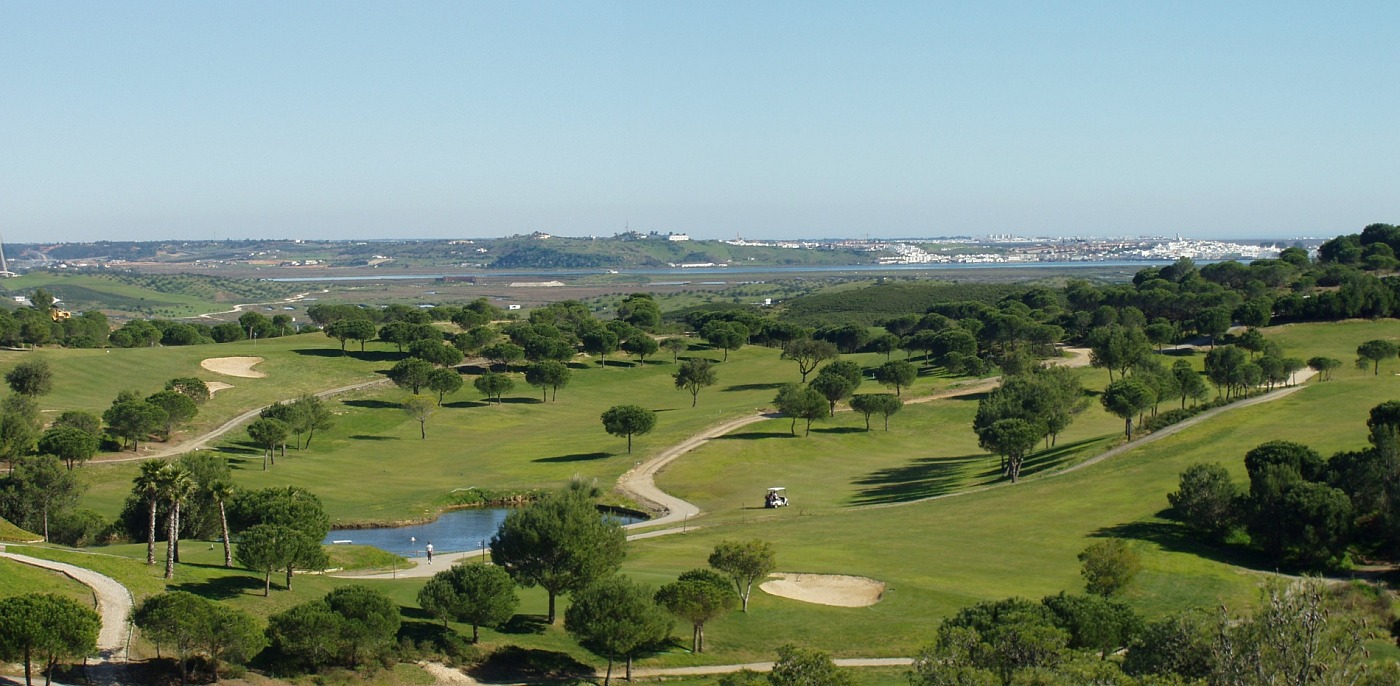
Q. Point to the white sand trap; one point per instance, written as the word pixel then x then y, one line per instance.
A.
pixel 234 366
pixel 216 386
pixel 825 589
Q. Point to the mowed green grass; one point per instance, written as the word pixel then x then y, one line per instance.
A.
pixel 11 533
pixel 374 467
pixel 89 379
pixel 17 578
pixel 929 450
pixel 935 556
pixel 939 556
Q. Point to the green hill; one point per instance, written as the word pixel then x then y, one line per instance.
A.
pixel 9 533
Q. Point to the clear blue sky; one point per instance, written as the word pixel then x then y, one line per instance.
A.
pixel 142 120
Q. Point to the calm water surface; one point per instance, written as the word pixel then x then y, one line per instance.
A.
pixel 455 531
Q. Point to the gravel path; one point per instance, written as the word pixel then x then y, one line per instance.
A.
pixel 114 603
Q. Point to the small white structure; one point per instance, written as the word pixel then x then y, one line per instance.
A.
pixel 677 237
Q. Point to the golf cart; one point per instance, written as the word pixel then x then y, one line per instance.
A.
pixel 777 497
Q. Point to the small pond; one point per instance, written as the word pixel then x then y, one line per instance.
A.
pixel 455 531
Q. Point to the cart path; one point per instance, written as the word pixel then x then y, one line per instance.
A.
pixel 202 440
pixel 639 483
pixel 114 603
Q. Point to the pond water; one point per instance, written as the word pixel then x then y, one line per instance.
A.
pixel 455 531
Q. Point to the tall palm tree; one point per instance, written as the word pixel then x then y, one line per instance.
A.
pixel 222 491
pixel 176 485
pixel 148 485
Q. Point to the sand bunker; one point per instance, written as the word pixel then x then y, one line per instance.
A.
pixel 216 386
pixel 825 589
pixel 234 366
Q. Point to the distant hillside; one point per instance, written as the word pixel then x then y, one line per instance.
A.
pixel 880 301
pixel 578 253
pixel 133 294
pixel 9 533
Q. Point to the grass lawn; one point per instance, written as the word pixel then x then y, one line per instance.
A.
pixel 1018 540
pixel 17 578
pixel 518 445
pixel 929 450
pixel 9 533
pixel 850 489
pixel 89 379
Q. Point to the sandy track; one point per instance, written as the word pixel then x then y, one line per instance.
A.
pixel 114 604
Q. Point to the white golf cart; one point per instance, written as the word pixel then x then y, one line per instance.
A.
pixel 777 497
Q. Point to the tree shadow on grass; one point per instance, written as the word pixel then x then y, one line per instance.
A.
pixel 924 478
pixel 370 404
pixel 974 397
pixel 524 625
pixel 752 387
pixel 242 448
pixel 369 437
pixel 839 430
pixel 366 356
pixel 1054 458
pixel 418 613
pixel 514 664
pixel 755 435
pixel 576 457
pixel 1178 538
pixel 466 403
pixel 224 587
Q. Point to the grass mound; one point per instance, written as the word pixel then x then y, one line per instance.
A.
pixel 9 533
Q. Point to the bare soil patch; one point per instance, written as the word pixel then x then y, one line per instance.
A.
pixel 825 589
pixel 233 366
pixel 216 386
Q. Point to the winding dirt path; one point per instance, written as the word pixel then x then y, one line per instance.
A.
pixel 239 308
pixel 114 603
